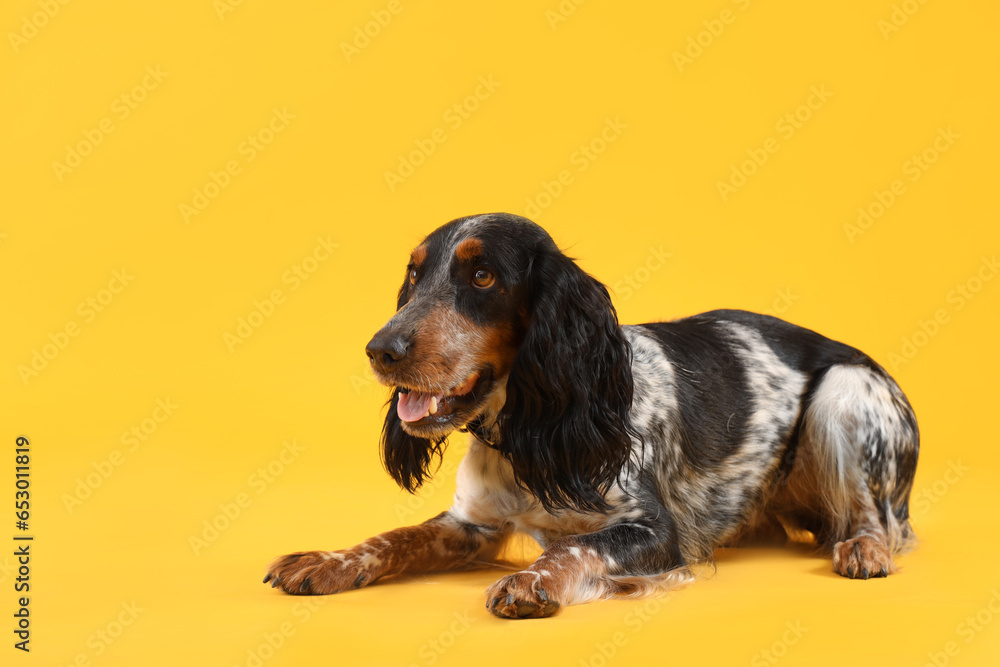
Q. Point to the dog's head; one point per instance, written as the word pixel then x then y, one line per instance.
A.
pixel 495 325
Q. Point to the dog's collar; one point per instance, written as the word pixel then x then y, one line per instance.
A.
pixel 476 428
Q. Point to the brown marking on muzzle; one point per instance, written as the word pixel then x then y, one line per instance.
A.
pixel 499 348
pixel 448 345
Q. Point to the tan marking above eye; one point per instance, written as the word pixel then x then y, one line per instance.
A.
pixel 419 254
pixel 483 278
pixel 469 249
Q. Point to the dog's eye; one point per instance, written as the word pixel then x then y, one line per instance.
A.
pixel 483 278
pixel 413 276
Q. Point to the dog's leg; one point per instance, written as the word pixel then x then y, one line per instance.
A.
pixel 578 568
pixel 860 453
pixel 442 543
pixel 865 553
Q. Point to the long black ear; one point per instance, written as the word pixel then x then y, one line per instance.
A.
pixel 407 458
pixel 565 424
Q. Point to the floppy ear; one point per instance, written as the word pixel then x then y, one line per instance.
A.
pixel 407 458
pixel 565 424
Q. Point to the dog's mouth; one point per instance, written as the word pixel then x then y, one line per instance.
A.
pixel 419 408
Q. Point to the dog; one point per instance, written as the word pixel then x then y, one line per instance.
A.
pixel 628 452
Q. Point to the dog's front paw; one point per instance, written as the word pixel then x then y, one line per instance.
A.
pixel 318 573
pixel 521 595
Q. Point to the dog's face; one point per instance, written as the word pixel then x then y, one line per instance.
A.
pixel 495 324
pixel 461 315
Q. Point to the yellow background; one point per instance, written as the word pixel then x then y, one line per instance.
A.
pixel 777 244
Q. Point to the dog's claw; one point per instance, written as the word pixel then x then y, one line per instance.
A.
pixel 274 583
pixel 267 577
pixel 305 585
pixel 542 595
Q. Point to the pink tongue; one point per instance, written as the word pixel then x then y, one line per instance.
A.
pixel 414 405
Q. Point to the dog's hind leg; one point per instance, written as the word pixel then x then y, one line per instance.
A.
pixel 857 458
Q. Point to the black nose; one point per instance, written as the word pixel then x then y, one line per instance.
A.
pixel 385 351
